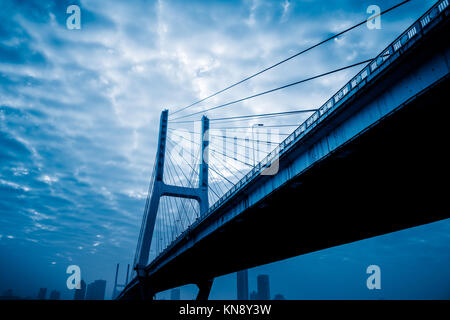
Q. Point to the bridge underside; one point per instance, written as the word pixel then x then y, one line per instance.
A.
pixel 390 178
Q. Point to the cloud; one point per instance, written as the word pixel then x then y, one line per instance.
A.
pixel 286 7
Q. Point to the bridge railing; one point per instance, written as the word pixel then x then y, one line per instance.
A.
pixel 384 59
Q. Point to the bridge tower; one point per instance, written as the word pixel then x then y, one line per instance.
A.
pixel 158 189
pixel 116 285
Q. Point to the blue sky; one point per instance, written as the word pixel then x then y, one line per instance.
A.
pixel 79 111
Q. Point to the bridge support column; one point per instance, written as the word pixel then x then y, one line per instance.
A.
pixel 146 291
pixel 204 288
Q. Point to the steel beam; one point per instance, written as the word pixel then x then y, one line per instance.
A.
pixel 204 289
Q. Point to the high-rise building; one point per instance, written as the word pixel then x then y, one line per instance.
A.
pixel 8 295
pixel 80 293
pixel 96 290
pixel 279 297
pixel 175 294
pixel 242 284
pixel 263 287
pixel 54 295
pixel 42 293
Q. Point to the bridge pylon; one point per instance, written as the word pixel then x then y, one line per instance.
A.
pixel 158 189
pixel 117 285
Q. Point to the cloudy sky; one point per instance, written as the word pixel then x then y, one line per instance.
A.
pixel 79 111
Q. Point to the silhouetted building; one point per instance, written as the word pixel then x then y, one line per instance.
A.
pixel 80 293
pixel 54 295
pixel 96 290
pixel 254 295
pixel 242 285
pixel 8 295
pixel 175 294
pixel 279 297
pixel 42 293
pixel 263 287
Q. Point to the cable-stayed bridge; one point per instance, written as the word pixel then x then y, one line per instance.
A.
pixel 367 162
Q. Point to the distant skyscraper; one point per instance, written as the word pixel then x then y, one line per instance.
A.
pixel 175 294
pixel 115 292
pixel 42 293
pixel 8 295
pixel 96 290
pixel 254 295
pixel 242 285
pixel 80 293
pixel 279 297
pixel 263 287
pixel 54 295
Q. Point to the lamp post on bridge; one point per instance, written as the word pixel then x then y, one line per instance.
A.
pixel 253 140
